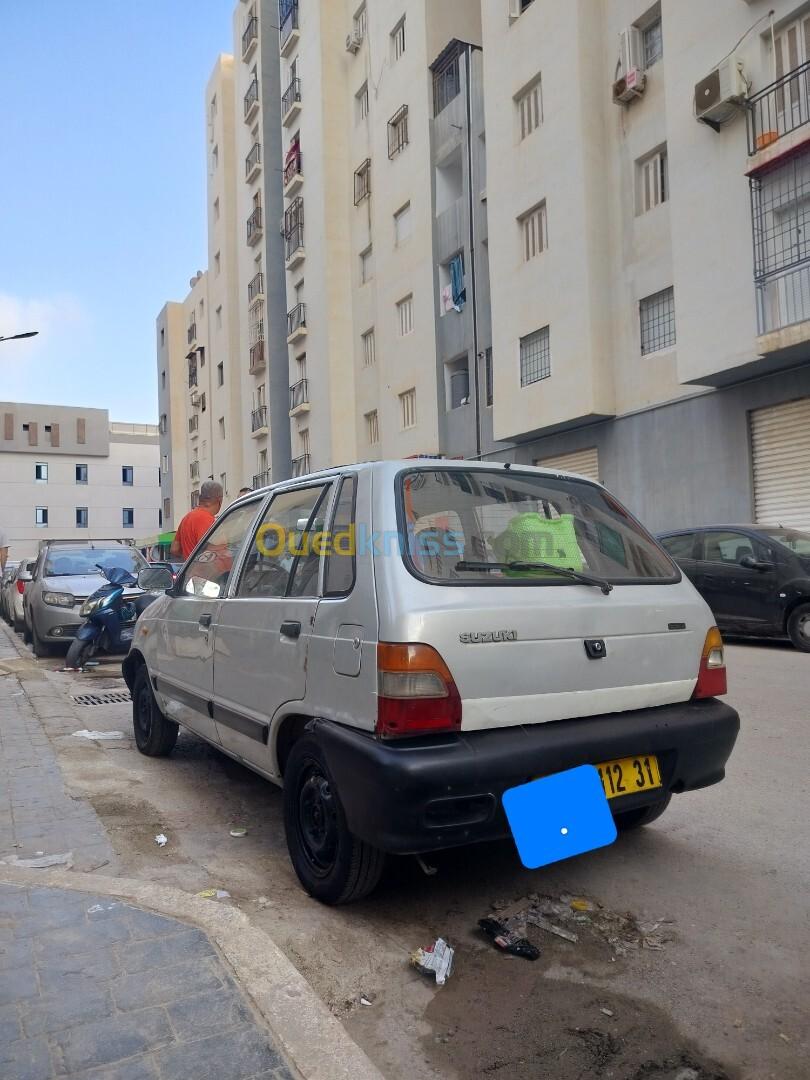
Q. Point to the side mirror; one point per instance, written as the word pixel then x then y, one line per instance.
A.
pixel 155 578
pixel 748 562
pixel 26 575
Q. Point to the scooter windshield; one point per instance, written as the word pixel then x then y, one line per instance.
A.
pixel 116 575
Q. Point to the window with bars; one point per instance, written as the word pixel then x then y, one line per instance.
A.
pixel 652 181
pixel 653 42
pixel 405 314
pixel 361 22
pixel 446 82
pixel 657 318
pixel 366 265
pixel 407 408
pixel 372 427
pixel 362 182
pixel 398 132
pixel 529 103
pixel 535 356
pixel 402 224
pixel 361 102
pixel 534 226
pixel 398 40
pixel 369 348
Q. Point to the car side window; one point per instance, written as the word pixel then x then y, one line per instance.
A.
pixel 726 547
pixel 680 547
pixel 340 570
pixel 208 573
pixel 285 553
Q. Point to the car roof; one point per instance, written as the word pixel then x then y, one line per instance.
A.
pixel 716 528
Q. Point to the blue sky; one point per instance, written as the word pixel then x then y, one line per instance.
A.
pixel 102 189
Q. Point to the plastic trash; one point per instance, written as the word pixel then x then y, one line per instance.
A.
pixel 365 1001
pixel 99 735
pixel 161 840
pixel 536 919
pixel 239 830
pixel 607 1012
pixel 436 959
pixel 508 940
pixel 214 894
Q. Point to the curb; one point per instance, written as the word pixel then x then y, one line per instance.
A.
pixel 315 1042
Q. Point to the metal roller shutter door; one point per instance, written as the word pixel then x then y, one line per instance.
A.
pixel 584 462
pixel 780 452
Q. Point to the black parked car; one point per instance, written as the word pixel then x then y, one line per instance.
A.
pixel 755 578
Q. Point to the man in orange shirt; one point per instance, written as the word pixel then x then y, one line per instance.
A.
pixel 198 521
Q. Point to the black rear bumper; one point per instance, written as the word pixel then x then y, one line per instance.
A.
pixel 420 795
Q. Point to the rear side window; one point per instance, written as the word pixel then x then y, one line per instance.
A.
pixel 680 547
pixel 341 561
pixel 284 557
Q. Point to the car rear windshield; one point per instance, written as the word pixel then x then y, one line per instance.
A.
pixel 452 520
pixel 73 562
pixel 794 539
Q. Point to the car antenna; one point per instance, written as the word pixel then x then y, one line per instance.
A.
pixel 507 465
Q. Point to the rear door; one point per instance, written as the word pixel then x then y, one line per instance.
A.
pixel 264 626
pixel 735 594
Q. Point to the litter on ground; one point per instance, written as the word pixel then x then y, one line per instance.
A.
pixel 101 736
pixel 436 959
pixel 508 940
pixel 239 830
pixel 161 840
pixel 214 894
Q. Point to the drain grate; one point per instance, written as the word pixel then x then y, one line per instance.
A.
pixel 115 697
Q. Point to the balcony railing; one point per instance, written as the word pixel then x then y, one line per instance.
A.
pixel 258 418
pixel 287 20
pixel 192 375
pixel 256 287
pixel 261 479
pixel 779 109
pixel 192 332
pixel 784 299
pixel 251 99
pixel 296 319
pixel 299 394
pixel 291 96
pixel 254 226
pixel 250 35
pixel 293 168
pixel 193 424
pixel 253 160
pixel 257 359
pixel 300 465
pixel 294 240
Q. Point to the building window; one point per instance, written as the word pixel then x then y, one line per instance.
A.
pixel 530 107
pixel 398 132
pixel 535 232
pixel 128 475
pixel 361 103
pixel 653 42
pixel 398 40
pixel 223 479
pixel 202 402
pixel 41 472
pixel 360 22
pixel 215 159
pixel 162 336
pixel 488 375
pixel 517 7
pixel 446 82
pixel 369 348
pixel 167 509
pixel 403 225
pixel 535 356
pixel 81 474
pixel 657 316
pixel 41 516
pixel 160 518
pixel 222 427
pixel 458 382
pixel 164 463
pixel 405 313
pixel 128 517
pixel 163 423
pixel 162 377
pixel 82 517
pixel 407 408
pixel 220 373
pixel 372 428
pixel 362 182
pixel 217 264
pixel 366 265
pixel 652 181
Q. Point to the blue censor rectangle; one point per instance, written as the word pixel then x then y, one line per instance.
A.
pixel 559 816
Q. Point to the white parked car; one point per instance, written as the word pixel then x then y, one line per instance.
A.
pixel 398 643
pixel 13 592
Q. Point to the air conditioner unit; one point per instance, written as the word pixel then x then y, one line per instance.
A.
pixel 632 80
pixel 353 41
pixel 719 96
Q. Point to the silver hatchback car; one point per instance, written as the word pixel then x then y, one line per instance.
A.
pixel 399 643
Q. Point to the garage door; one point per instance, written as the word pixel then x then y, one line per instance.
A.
pixel 780 450
pixel 584 462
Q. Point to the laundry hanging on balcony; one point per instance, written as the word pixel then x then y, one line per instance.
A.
pixel 459 292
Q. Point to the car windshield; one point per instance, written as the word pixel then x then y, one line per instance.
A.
pixel 73 562
pixel 795 540
pixel 476 527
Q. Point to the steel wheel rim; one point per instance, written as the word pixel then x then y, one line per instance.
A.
pixel 143 715
pixel 317 821
pixel 803 627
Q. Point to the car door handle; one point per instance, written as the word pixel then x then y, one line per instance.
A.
pixel 290 629
pixel 204 624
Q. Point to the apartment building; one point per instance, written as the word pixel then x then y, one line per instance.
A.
pixel 69 473
pixel 647 175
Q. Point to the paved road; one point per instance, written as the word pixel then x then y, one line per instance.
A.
pixel 726 868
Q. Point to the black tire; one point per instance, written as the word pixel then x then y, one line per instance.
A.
pixel 644 815
pixel 40 648
pixel 798 627
pixel 155 736
pixel 19 626
pixel 79 652
pixel 332 864
pixel 26 633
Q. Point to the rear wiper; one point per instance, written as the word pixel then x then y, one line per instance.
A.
pixel 565 571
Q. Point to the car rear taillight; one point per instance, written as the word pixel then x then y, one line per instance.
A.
pixel 20 587
pixel 712 680
pixel 415 691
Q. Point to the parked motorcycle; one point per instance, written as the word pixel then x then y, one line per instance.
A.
pixel 111 617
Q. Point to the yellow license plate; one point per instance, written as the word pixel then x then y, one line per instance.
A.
pixel 628 775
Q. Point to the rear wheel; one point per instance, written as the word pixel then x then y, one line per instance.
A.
pixel 333 865
pixel 644 815
pixel 26 633
pixel 155 736
pixel 41 648
pixel 798 627
pixel 79 652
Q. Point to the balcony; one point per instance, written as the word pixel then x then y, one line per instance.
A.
pixel 193 425
pixel 254 226
pixel 300 465
pixel 253 163
pixel 783 304
pixel 256 287
pixel 192 332
pixel 192 373
pixel 258 422
pixel 294 253
pixel 777 114
pixel 291 102
pixel 299 397
pixel 296 323
pixel 194 470
pixel 258 360
pixel 250 38
pixel 260 479
pixel 288 31
pixel 293 173
pixel 251 100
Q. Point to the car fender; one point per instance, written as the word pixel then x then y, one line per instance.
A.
pixel 791 594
